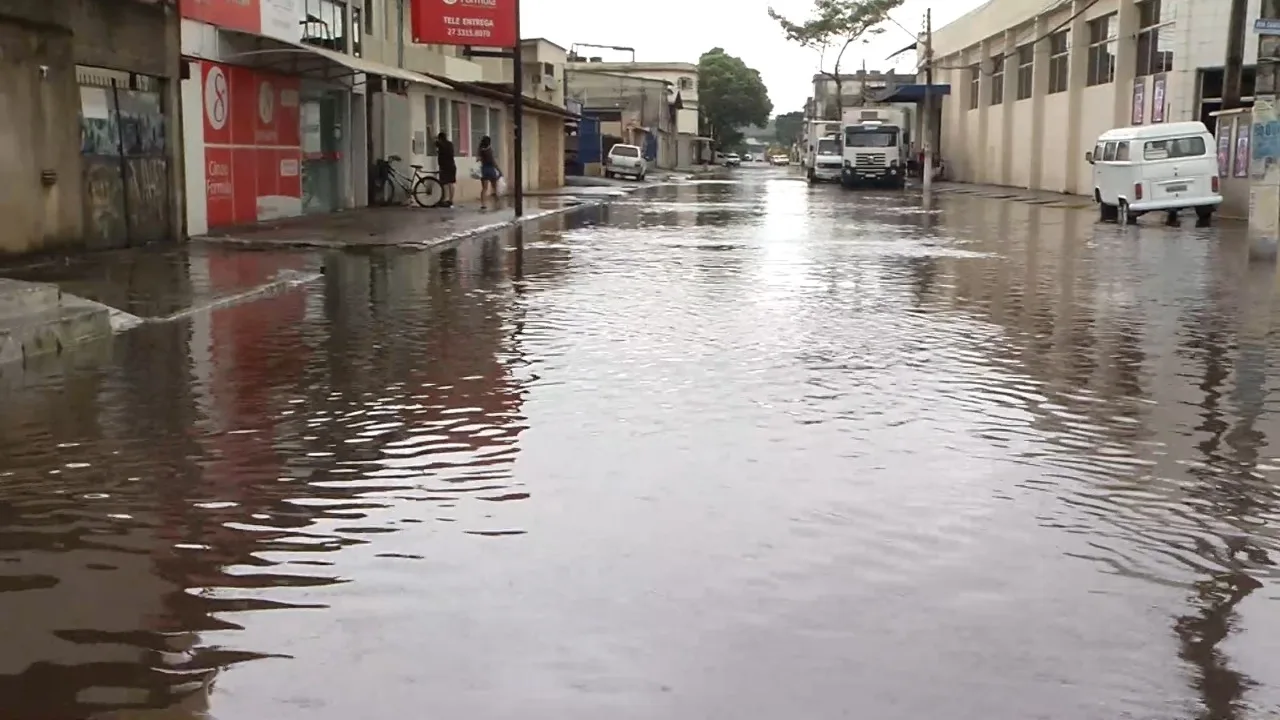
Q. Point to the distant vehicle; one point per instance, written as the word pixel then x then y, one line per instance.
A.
pixel 1155 168
pixel 828 161
pixel 625 160
pixel 732 160
pixel 779 159
pixel 875 147
pixel 748 158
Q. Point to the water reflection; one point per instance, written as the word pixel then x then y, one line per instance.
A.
pixel 743 447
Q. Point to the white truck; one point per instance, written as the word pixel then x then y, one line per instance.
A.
pixel 821 160
pixel 876 146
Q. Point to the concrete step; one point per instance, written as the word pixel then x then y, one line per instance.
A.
pixel 19 298
pixel 50 331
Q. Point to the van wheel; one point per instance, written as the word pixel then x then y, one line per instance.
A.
pixel 1204 215
pixel 1124 216
pixel 1106 213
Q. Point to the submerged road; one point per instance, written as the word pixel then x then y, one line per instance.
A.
pixel 743 449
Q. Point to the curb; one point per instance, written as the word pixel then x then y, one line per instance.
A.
pixel 423 244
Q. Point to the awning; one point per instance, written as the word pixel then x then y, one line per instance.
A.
pixel 305 60
pixel 913 93
pixel 912 46
pixel 506 93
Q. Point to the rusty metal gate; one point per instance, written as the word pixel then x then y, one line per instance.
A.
pixel 124 158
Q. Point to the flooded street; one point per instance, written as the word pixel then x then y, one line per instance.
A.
pixel 746 449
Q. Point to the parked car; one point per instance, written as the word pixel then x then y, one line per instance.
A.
pixel 748 157
pixel 625 160
pixel 732 160
pixel 1166 167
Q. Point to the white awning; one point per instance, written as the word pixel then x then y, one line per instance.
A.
pixel 311 61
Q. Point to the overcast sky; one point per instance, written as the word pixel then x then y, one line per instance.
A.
pixel 681 30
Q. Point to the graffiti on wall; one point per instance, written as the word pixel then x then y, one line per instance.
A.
pixel 126 176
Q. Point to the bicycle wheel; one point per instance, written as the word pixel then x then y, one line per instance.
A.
pixel 428 192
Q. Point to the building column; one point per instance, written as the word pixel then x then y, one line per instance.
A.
pixel 1126 62
pixel 982 167
pixel 1264 170
pixel 961 161
pixel 1078 59
pixel 1010 54
pixel 1039 90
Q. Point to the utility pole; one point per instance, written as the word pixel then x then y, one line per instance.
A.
pixel 927 124
pixel 1235 56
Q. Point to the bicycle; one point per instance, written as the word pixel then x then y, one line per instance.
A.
pixel 423 186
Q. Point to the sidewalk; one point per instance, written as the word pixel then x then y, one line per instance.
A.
pixel 1031 197
pixel 408 227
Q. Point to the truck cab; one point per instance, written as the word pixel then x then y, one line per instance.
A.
pixel 827 160
pixel 875 149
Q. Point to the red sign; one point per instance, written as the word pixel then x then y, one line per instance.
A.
pixel 252 138
pixel 232 14
pixel 483 23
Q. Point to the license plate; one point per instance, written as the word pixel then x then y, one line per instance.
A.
pixel 1175 188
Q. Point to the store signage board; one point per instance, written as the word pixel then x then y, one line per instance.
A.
pixel 478 23
pixel 1266 26
pixel 279 19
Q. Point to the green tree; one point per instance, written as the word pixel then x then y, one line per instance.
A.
pixel 835 25
pixel 788 127
pixel 731 95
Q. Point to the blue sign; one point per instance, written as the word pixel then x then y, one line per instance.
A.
pixel 1267 26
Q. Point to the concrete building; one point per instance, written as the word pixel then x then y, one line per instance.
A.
pixel 854 88
pixel 1032 85
pixel 289 102
pixel 672 116
pixel 89 154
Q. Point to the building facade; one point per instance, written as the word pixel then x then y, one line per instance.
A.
pixel 90 153
pixel 660 96
pixel 862 86
pixel 1033 85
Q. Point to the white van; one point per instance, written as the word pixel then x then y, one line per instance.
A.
pixel 1155 168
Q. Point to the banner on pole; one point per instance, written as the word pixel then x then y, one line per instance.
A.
pixel 481 23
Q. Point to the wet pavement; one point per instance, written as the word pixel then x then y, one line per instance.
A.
pixel 729 449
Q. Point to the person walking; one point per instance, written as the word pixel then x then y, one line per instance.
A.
pixel 489 172
pixel 447 164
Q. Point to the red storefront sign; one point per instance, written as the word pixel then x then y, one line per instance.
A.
pixel 233 14
pixel 483 23
pixel 253 146
pixel 281 19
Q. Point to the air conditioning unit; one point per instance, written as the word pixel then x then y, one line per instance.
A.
pixel 549 82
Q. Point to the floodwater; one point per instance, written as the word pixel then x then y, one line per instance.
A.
pixel 745 449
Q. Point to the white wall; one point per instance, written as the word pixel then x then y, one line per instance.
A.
pixel 192 114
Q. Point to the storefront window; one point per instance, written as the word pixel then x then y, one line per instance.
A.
pixel 479 124
pixel 495 130
pixel 456 113
pixel 432 127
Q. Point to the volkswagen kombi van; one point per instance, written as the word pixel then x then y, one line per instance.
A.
pixel 1165 167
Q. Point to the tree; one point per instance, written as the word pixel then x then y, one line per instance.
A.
pixel 835 25
pixel 788 127
pixel 731 95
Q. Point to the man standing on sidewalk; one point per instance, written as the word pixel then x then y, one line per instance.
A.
pixel 448 168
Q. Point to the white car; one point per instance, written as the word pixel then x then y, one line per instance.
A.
pixel 625 160
pixel 732 160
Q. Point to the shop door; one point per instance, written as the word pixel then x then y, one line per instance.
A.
pixel 321 155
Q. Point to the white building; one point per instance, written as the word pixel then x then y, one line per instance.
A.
pixel 682 83
pixel 1033 83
